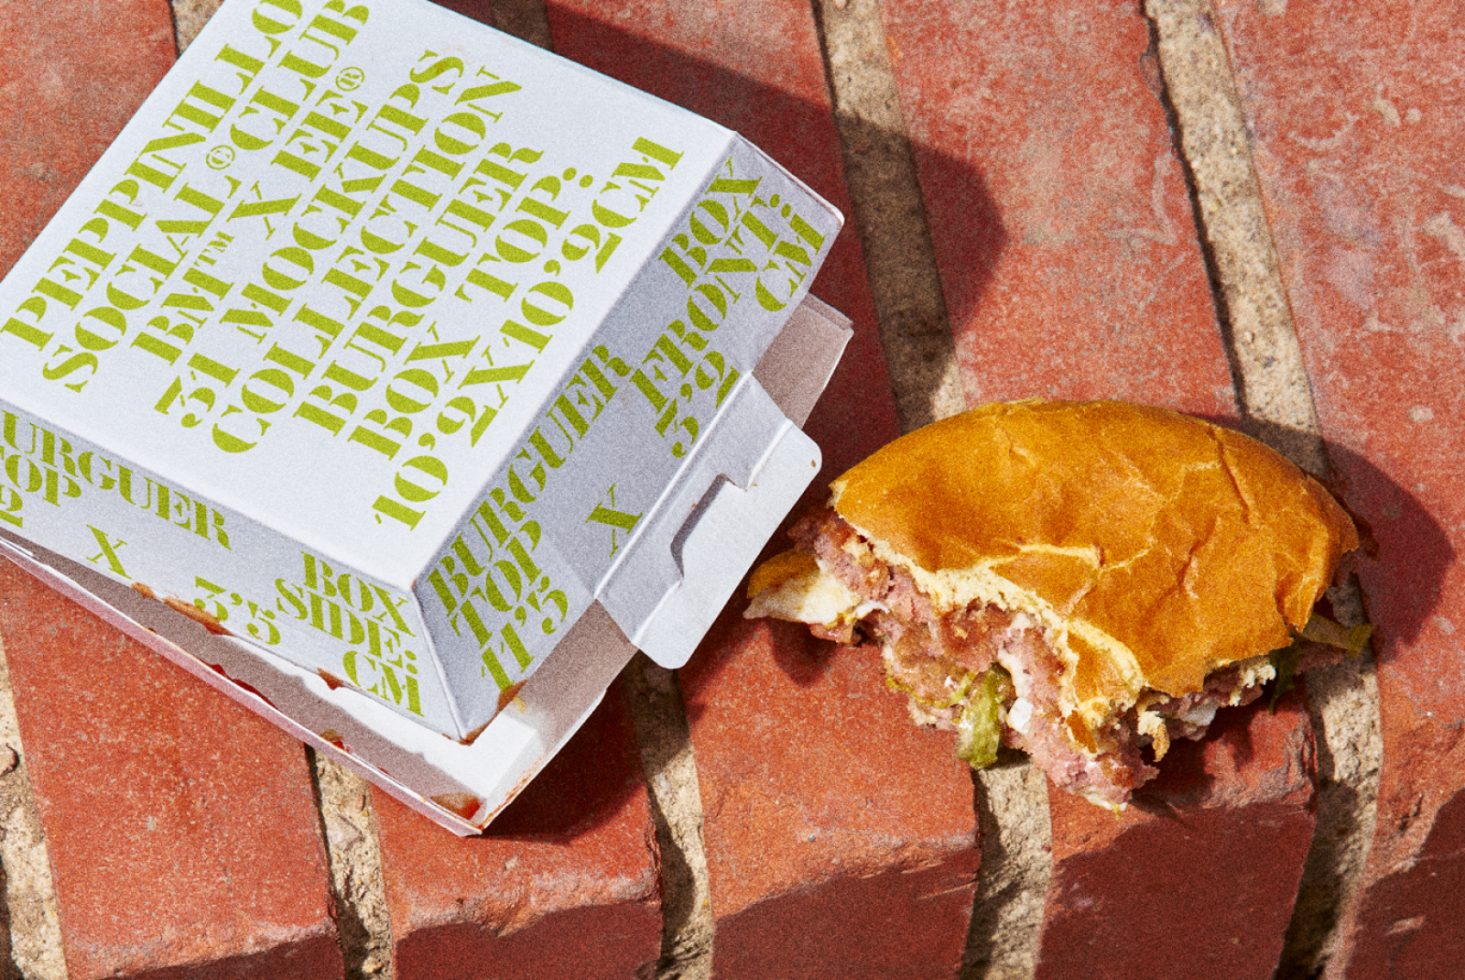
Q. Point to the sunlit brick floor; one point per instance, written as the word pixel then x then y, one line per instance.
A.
pixel 1249 209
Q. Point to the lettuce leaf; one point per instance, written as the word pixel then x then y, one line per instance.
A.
pixel 1285 662
pixel 979 730
pixel 957 696
pixel 1319 629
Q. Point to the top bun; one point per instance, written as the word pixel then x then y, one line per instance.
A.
pixel 1152 547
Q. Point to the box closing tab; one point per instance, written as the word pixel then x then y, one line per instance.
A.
pixel 718 516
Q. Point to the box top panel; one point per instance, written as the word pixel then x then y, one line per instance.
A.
pixel 330 272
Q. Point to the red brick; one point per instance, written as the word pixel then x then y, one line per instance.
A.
pixel 1057 208
pixel 1410 921
pixel 1202 870
pixel 71 77
pixel 479 10
pixel 181 829
pixel 839 838
pixel 1357 118
pixel 564 884
pixel 1071 268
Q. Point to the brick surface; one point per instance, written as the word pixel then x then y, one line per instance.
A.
pixel 71 76
pixel 819 794
pixel 1202 870
pixel 1057 207
pixel 563 885
pixel 1356 112
pixel 1070 263
pixel 839 836
pixel 181 829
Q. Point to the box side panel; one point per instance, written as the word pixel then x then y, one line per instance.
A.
pixel 230 574
pixel 672 361
pixel 674 593
pixel 270 688
pixel 675 583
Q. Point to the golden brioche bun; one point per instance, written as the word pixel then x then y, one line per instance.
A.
pixel 1152 547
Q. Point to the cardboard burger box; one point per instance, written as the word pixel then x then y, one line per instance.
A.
pixel 427 374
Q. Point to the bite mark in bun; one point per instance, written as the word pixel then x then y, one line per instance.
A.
pixel 1093 578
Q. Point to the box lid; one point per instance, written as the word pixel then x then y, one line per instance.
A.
pixel 327 273
pixel 308 352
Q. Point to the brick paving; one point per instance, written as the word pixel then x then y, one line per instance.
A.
pixel 1359 131
pixel 1202 872
pixel 184 836
pixel 181 828
pixel 1057 207
pixel 71 77
pixel 1085 260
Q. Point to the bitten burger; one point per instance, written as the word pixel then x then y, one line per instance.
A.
pixel 1085 581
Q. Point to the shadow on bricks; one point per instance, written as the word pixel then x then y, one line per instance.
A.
pixel 1216 770
pixel 1400 903
pixel 577 792
pixel 1368 489
pixel 856 413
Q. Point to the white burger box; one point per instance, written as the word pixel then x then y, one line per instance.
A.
pixel 427 376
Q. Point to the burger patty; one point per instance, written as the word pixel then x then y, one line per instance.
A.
pixel 931 654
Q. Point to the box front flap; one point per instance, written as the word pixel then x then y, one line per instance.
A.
pixel 682 571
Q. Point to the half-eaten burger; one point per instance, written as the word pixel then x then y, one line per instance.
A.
pixel 1085 581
